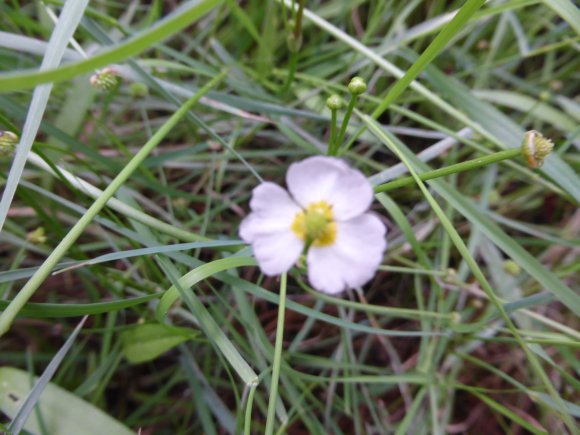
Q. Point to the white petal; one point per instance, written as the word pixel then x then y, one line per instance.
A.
pixel 272 211
pixel 267 228
pixel 353 258
pixel 330 179
pixel 277 253
pixel 269 198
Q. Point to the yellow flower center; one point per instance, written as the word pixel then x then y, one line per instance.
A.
pixel 316 224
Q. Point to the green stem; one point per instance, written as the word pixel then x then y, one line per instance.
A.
pixel 277 358
pixel 298 27
pixel 248 414
pixel 293 63
pixel 452 169
pixel 343 127
pixel 332 130
pixel 8 315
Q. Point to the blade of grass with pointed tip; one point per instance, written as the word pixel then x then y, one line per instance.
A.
pixel 46 310
pixel 508 413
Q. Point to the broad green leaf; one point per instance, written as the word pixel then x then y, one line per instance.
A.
pixel 62 412
pixel 143 343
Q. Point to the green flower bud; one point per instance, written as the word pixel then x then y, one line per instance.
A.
pixel 494 197
pixel 511 267
pixel 544 96
pixel 180 205
pixel 105 79
pixel 536 148
pixel 293 42
pixel 483 44
pixel 334 102
pixel 357 86
pixel 8 142
pixel 138 90
pixel 455 318
pixel 38 236
pixel 451 275
pixel 556 85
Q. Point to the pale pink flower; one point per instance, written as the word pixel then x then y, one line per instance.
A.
pixel 324 212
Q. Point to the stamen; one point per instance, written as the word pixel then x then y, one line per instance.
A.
pixel 316 224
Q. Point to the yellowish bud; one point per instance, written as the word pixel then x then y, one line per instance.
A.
pixel 38 236
pixel 536 148
pixel 8 142
pixel 511 267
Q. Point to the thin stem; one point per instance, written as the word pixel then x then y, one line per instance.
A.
pixel 295 47
pixel 291 70
pixel 248 415
pixel 8 315
pixel 452 169
pixel 344 125
pixel 332 130
pixel 277 358
pixel 298 26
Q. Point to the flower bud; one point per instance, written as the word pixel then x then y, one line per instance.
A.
pixel 38 236
pixel 544 96
pixel 138 90
pixel 105 79
pixel 455 318
pixel 357 86
pixel 293 42
pixel 334 102
pixel 536 148
pixel 8 142
pixel 511 267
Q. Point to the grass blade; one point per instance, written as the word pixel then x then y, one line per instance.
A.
pixel 69 19
pixel 26 408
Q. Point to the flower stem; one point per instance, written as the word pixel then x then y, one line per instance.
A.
pixel 336 145
pixel 332 131
pixel 452 169
pixel 294 46
pixel 291 71
pixel 277 358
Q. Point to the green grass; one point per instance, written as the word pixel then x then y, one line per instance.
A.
pixel 141 198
